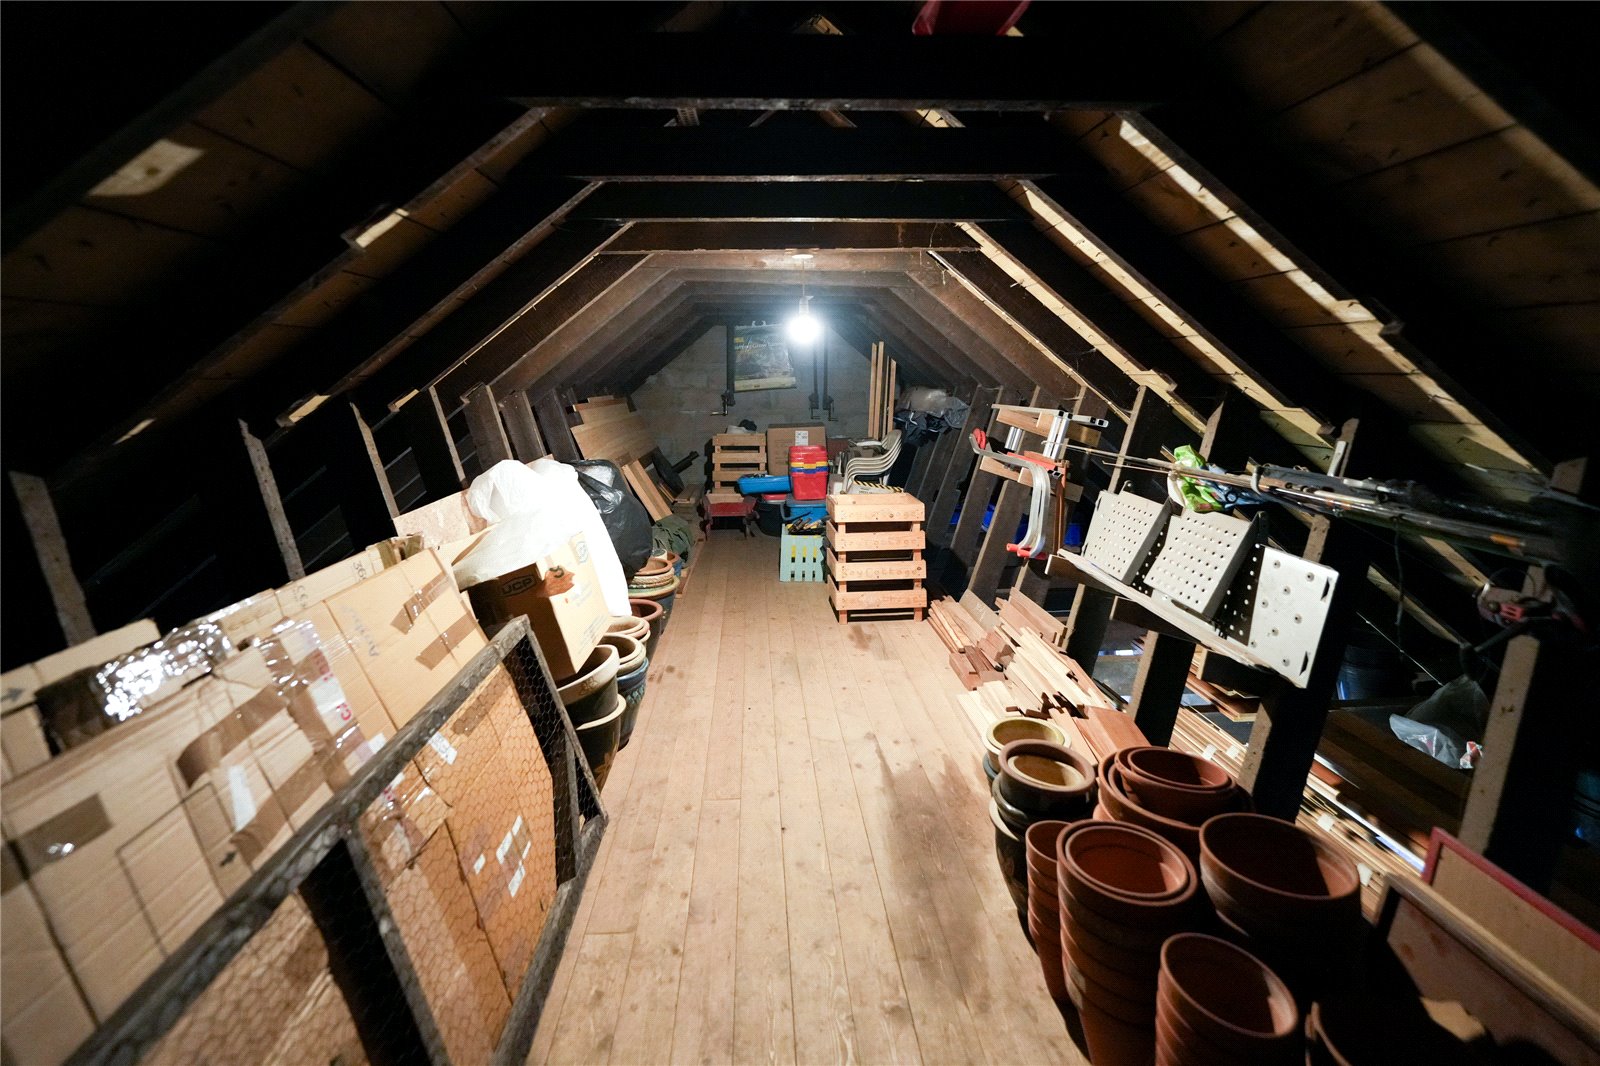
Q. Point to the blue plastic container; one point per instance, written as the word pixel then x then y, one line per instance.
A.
pixel 751 484
pixel 815 510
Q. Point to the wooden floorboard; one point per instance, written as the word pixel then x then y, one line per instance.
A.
pixel 799 865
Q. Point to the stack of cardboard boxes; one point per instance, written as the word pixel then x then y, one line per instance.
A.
pixel 120 846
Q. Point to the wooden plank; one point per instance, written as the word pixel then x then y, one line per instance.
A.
pixel 876 599
pixel 55 560
pixel 516 410
pixel 645 489
pixel 623 441
pixel 845 508
pixel 552 418
pixel 589 1012
pixel 488 432
pixel 845 539
pixel 897 570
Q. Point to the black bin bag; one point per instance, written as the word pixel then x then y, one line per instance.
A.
pixel 625 517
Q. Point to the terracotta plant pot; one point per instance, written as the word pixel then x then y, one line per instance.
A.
pixel 600 739
pixel 1130 1011
pixel 1143 940
pixel 1278 870
pixel 592 692
pixel 1046 779
pixel 654 616
pixel 630 652
pixel 1229 998
pixel 1111 949
pixel 1178 1046
pixel 655 571
pixel 1122 808
pixel 1176 785
pixel 1041 840
pixel 1135 983
pixel 1114 1041
pixel 1016 727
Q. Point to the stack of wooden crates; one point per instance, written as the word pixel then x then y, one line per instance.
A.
pixel 734 455
pixel 875 561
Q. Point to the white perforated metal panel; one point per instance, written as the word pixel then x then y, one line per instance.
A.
pixel 1290 608
pixel 1123 531
pixel 1201 555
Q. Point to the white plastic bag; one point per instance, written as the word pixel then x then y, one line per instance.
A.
pixel 533 508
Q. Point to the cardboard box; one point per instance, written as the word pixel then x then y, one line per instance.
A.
pixel 17 688
pixel 386 626
pixel 42 1016
pixel 297 596
pixel 97 650
pixel 22 739
pixel 567 623
pixel 504 833
pixel 329 655
pixel 249 620
pixel 110 853
pixel 781 435
pixel 322 1032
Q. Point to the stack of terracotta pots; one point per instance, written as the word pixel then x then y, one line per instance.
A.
pixel 1287 896
pixel 1044 905
pixel 1122 890
pixel 656 581
pixel 1003 731
pixel 650 612
pixel 631 667
pixel 1037 780
pixel 1216 1003
pixel 1168 792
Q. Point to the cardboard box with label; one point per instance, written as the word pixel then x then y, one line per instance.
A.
pixel 783 434
pixel 561 596
pixel 504 832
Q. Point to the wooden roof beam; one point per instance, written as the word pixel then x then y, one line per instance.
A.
pixel 664 237
pixel 769 153
pixel 801 201
pixel 834 72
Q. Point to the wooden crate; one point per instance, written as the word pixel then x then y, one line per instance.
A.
pixel 736 455
pixel 875 555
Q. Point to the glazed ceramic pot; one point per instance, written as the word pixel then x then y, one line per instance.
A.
pixel 631 687
pixel 592 692
pixel 599 740
pixel 1016 819
pixel 656 571
pixel 1045 779
pixel 1008 853
pixel 654 616
pixel 630 626
pixel 1228 998
pixel 1016 727
pixel 630 652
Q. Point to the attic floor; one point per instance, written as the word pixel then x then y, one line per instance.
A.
pixel 799 865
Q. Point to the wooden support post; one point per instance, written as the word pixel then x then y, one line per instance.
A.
pixel 1288 726
pixel 1032 581
pixel 1534 745
pixel 50 545
pixel 1152 424
pixel 947 492
pixel 920 462
pixel 254 541
pixel 1158 686
pixel 428 434
pixel 557 433
pixel 969 530
pixel 1086 625
pixel 365 499
pixel 517 413
pixel 483 422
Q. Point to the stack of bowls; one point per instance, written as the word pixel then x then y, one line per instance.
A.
pixel 653 616
pixel 1015 727
pixel 1175 784
pixel 599 739
pixel 1039 779
pixel 1148 809
pixel 631 667
pixel 1044 905
pixel 631 626
pixel 655 581
pixel 591 692
pixel 1287 896
pixel 1218 1003
pixel 1122 891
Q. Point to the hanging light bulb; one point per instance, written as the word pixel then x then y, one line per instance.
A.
pixel 804 327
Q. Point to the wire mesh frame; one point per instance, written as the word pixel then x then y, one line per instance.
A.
pixel 332 834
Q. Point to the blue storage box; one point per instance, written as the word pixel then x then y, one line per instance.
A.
pixel 752 484
pixel 811 509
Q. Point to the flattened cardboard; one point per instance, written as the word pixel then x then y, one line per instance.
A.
pixel 22 738
pixel 781 435
pixel 93 652
pixel 17 687
pixel 322 1032
pixel 295 597
pixel 365 708
pixel 42 1016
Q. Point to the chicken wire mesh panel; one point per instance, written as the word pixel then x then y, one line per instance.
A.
pixel 416 918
